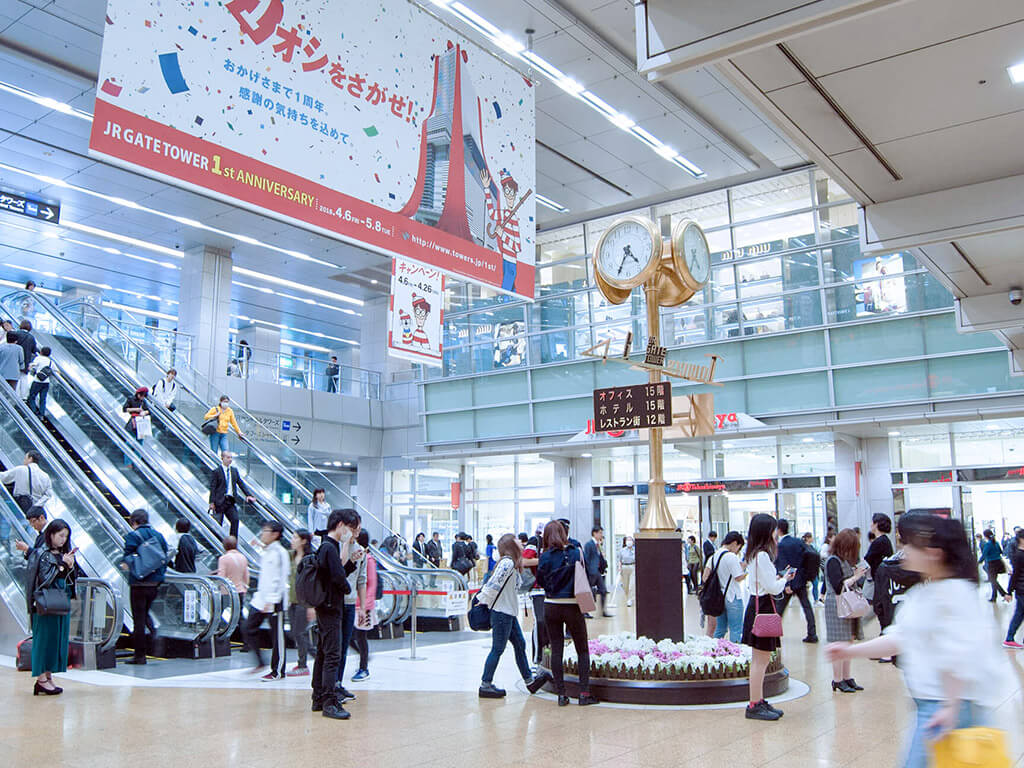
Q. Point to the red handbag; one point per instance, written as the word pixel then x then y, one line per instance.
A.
pixel 765 624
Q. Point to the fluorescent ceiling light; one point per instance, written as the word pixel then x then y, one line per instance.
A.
pixel 586 455
pixel 689 167
pixel 599 104
pixel 45 101
pixel 646 137
pixel 553 72
pixel 475 20
pixel 303 345
pixel 123 239
pixel 807 440
pixel 623 121
pixel 666 151
pixel 549 203
pixel 894 433
pixel 992 427
pixel 570 86
pixel 1016 73
pixel 21 286
pixel 296 286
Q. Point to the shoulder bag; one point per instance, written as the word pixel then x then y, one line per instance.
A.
pixel 479 615
pixel 209 427
pixel 581 587
pixel 851 604
pixel 765 624
pixel 48 599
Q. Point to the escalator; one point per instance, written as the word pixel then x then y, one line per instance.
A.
pixel 98 530
pixel 106 364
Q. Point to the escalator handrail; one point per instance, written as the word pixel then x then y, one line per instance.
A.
pixel 226 587
pixel 394 565
pixel 115 600
pixel 202 584
pixel 197 515
pixel 168 420
pixel 271 461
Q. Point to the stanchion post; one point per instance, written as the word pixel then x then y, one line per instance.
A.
pixel 412 639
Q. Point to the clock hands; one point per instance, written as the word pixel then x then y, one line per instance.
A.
pixel 627 253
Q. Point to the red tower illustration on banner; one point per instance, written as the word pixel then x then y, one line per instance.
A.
pixel 449 193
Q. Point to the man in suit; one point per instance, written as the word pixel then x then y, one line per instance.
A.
pixel 710 545
pixel 225 488
pixel 791 554
pixel 596 566
pixel 434 550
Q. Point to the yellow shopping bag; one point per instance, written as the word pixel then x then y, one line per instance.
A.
pixel 972 748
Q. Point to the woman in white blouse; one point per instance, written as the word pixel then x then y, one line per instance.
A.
pixel 764 583
pixel 941 635
pixel 318 512
pixel 730 574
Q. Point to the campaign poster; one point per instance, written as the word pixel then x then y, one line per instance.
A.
pixel 417 312
pixel 371 121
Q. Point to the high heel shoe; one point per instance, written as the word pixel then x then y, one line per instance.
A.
pixel 843 686
pixel 853 684
pixel 39 689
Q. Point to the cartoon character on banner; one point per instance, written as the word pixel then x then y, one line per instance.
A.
pixel 504 227
pixel 509 351
pixel 406 322
pixel 421 311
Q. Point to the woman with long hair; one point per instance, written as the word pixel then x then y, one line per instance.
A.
pixel 556 573
pixel 941 635
pixel 992 557
pixel 842 572
pixel 317 512
pixel 299 615
pixel 765 582
pixel 501 593
pixel 51 567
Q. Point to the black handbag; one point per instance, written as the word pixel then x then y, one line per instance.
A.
pixel 209 427
pixel 479 615
pixel 52 601
pixel 997 566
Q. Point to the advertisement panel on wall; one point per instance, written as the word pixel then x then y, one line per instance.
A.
pixel 370 121
pixel 416 313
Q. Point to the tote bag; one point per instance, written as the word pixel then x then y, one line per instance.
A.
pixel 584 594
pixel 971 748
pixel 143 427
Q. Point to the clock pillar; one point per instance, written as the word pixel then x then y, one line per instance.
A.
pixel 659 551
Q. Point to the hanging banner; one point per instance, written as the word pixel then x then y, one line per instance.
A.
pixel 373 122
pixel 417 313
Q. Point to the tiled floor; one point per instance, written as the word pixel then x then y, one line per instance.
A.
pixel 426 714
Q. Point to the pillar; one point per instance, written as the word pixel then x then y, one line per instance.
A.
pixel 265 344
pixel 863 481
pixel 204 309
pixel 574 495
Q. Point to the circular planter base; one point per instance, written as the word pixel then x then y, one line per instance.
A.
pixel 675 692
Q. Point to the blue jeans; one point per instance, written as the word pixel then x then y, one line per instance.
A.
pixel 814 588
pixel 219 442
pixel 508 274
pixel 348 628
pixel 918 752
pixel 505 628
pixel 732 620
pixel 1018 618
pixel 37 397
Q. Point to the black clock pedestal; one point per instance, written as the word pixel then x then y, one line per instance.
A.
pixel 659 585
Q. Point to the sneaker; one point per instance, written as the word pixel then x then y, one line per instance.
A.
pixel 811 639
pixel 490 691
pixel 586 699
pixel 760 711
pixel 776 710
pixel 563 700
pixel 318 706
pixel 1013 644
pixel 270 677
pixel 335 711
pixel 297 671
pixel 362 674
pixel 343 693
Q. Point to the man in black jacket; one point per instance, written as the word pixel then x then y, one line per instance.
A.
pixel 333 567
pixel 596 566
pixel 225 487
pixel 36 517
pixel 709 545
pixel 791 555
pixel 434 550
pixel 27 342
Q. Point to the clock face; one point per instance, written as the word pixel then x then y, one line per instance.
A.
pixel 691 253
pixel 626 252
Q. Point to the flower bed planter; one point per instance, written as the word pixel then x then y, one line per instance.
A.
pixel 701 670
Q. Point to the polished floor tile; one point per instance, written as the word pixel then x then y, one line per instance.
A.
pixel 426 714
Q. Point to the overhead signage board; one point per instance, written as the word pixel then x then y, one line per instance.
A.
pixel 31 209
pixel 636 407
pixel 416 312
pixel 372 122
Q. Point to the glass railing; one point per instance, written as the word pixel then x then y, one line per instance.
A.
pixel 13 565
pixel 302 372
pixel 97 614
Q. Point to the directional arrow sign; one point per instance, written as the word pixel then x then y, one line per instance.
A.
pixel 296 426
pixel 31 209
pixel 295 440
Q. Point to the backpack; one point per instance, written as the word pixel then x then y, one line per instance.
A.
pixel 149 558
pixel 811 562
pixel 712 596
pixel 43 374
pixel 309 589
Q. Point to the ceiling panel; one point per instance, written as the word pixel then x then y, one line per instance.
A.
pixel 806 108
pixel 588 154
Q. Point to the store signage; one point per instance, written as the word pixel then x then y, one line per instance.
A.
pixel 30 209
pixel 636 407
pixel 372 122
pixel 742 253
pixel 694 487
pixel 416 312
pixel 456 494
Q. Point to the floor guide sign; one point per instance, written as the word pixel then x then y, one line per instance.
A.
pixel 371 120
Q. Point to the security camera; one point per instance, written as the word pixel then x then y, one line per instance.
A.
pixel 1015 296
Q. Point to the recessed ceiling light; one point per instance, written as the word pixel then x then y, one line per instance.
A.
pixel 992 427
pixel 807 440
pixel 348 463
pixel 894 433
pixel 1016 73
pixel 549 203
pixel 586 455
